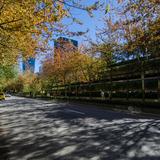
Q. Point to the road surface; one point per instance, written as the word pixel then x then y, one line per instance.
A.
pixel 32 129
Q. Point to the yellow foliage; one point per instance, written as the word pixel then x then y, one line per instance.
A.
pixel 21 25
pixel 72 67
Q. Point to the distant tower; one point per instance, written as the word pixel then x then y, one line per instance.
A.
pixel 62 41
pixel 29 64
pixel 40 69
pixel 64 45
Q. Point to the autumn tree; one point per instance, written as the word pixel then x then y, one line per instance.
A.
pixel 131 29
pixel 15 85
pixel 27 25
pixel 140 15
pixel 7 73
pixel 74 67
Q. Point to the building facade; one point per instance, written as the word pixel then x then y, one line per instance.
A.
pixel 28 65
pixel 63 46
pixel 62 41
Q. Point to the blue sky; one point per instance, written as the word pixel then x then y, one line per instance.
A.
pixel 88 23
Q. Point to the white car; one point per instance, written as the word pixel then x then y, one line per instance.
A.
pixel 7 95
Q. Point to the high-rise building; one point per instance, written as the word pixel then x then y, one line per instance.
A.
pixel 61 42
pixel 62 46
pixel 28 64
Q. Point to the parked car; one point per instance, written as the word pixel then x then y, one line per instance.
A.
pixel 7 95
pixel 2 96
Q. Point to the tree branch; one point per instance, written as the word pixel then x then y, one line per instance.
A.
pixel 1 24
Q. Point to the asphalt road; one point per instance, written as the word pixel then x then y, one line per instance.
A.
pixel 48 130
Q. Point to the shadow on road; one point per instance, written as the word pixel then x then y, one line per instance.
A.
pixel 49 131
pixel 4 149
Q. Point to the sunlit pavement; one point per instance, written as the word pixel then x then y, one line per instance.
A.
pixel 46 130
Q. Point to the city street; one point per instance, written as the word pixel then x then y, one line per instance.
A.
pixel 32 129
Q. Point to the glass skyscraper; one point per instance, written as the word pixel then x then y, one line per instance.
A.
pixel 28 65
